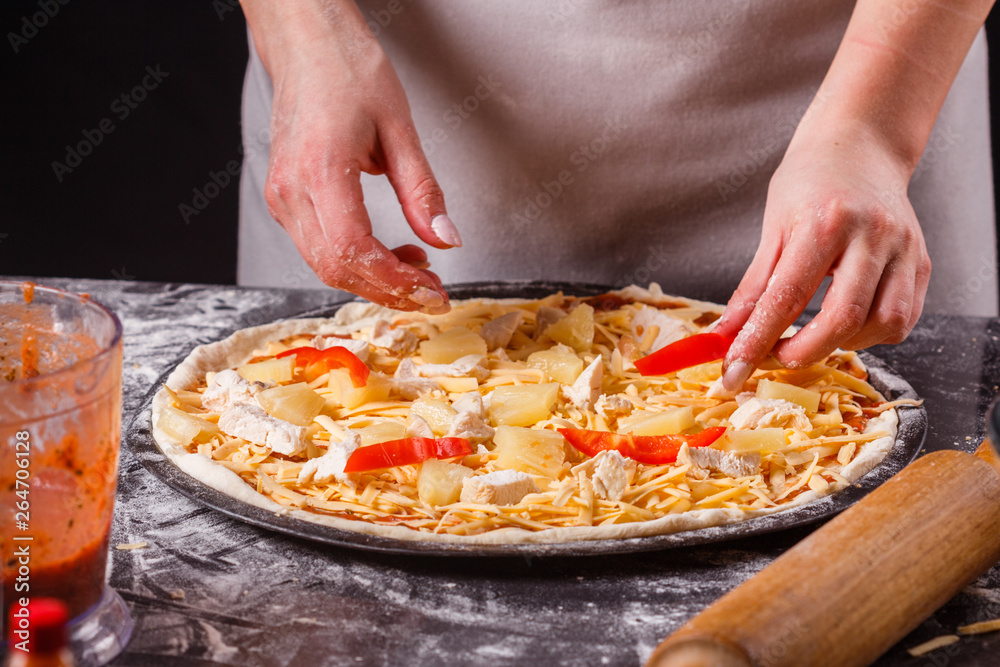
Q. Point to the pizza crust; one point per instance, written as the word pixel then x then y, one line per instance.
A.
pixel 239 346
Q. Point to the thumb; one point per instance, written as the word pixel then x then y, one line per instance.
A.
pixel 418 191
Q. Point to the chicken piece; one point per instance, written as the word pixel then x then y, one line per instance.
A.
pixel 502 487
pixel 716 390
pixel 397 341
pixel 471 365
pixel 417 427
pixel 731 464
pixel 330 465
pixel 613 406
pixel 669 329
pixel 471 427
pixel 360 348
pixel 585 391
pixel 609 478
pixel 470 402
pixel 765 412
pixel 409 384
pixel 497 333
pixel 250 422
pixel 229 387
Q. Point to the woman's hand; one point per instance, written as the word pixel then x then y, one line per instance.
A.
pixel 339 110
pixel 836 206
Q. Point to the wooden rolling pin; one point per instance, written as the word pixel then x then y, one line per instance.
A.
pixel 859 584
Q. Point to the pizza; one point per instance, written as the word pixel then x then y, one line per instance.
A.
pixel 516 421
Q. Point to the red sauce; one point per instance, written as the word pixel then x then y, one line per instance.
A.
pixel 28 290
pixel 78 580
pixel 604 302
pixel 29 356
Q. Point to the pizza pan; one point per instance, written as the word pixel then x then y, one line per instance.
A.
pixel 909 439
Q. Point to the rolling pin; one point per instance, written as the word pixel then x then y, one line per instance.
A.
pixel 859 584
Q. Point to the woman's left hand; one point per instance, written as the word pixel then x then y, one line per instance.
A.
pixel 836 206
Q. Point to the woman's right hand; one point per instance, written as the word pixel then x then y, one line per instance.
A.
pixel 339 110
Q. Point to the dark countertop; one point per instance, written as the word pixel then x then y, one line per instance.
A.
pixel 211 590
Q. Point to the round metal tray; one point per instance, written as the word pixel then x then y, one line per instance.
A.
pixel 912 429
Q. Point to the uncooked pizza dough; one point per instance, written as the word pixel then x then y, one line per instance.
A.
pixel 790 437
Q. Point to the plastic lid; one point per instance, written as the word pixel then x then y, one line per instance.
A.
pixel 44 620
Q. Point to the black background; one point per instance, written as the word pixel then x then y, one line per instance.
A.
pixel 118 214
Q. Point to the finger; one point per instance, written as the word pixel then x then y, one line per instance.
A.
pixel 751 287
pixel 418 191
pixel 844 313
pixel 413 255
pixel 327 219
pixel 889 320
pixel 796 277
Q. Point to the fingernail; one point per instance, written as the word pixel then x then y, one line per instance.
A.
pixel 427 297
pixel 736 375
pixel 445 229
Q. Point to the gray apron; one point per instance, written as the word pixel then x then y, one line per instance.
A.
pixel 626 142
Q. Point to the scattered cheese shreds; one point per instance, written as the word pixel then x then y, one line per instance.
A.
pixel 980 628
pixel 566 495
pixel 130 547
pixel 932 645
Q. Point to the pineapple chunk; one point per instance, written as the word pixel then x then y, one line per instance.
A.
pixel 453 344
pixel 763 440
pixel 440 483
pixel 343 391
pixel 382 431
pixel 436 413
pixel 702 373
pixel 668 422
pixel 575 330
pixel 273 371
pixel 295 403
pixel 185 427
pixel 561 365
pixel 806 398
pixel 523 405
pixel 534 451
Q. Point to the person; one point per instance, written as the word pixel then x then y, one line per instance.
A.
pixel 624 142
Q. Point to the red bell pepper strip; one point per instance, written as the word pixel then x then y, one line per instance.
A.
pixel 318 362
pixel 684 353
pixel 650 449
pixel 405 452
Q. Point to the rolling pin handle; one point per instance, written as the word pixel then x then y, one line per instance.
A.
pixel 699 651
